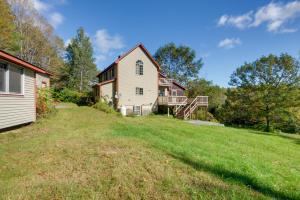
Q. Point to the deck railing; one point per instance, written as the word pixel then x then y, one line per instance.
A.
pixel 172 100
pixel 165 81
pixel 198 101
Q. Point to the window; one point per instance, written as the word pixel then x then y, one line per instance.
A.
pixel 113 72
pixel 174 92
pixel 139 68
pixel 15 80
pixel 3 69
pixel 137 110
pixel 11 79
pixel 139 91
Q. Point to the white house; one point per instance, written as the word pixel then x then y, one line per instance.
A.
pixel 134 80
pixel 18 82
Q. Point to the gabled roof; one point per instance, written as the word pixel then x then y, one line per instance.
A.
pixel 128 52
pixel 174 82
pixel 6 56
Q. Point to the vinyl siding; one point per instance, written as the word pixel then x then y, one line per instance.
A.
pixel 16 110
pixel 107 92
pixel 40 78
pixel 128 81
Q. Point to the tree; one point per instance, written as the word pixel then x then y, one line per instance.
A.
pixel 81 68
pixel 8 36
pixel 178 62
pixel 265 90
pixel 203 87
pixel 37 42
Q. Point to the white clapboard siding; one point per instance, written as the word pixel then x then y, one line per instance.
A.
pixel 16 110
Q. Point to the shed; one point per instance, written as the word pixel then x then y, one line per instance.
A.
pixel 19 81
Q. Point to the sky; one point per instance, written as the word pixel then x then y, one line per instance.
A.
pixel 224 34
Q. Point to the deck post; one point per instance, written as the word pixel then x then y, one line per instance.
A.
pixel 168 111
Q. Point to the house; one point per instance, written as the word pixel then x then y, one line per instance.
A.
pixel 18 82
pixel 134 80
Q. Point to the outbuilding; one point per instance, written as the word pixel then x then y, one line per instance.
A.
pixel 19 81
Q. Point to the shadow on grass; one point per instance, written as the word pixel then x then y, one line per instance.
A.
pixel 166 145
pixel 285 136
pixel 233 176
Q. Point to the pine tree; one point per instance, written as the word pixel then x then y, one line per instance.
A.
pixel 82 69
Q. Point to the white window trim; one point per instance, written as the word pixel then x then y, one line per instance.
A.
pixel 139 110
pixel 6 92
pixel 138 68
pixel 139 90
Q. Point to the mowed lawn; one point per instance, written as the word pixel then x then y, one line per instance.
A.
pixel 82 153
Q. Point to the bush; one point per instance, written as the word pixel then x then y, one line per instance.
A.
pixel 102 105
pixel 68 95
pixel 44 103
pixel 205 116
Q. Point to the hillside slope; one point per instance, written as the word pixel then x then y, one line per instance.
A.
pixel 82 153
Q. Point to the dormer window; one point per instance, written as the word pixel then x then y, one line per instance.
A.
pixel 139 67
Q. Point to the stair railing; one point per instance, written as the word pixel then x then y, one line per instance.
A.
pixel 187 110
pixel 179 107
pixel 198 101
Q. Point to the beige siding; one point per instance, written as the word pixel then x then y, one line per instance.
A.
pixel 128 81
pixel 42 80
pixel 15 110
pixel 107 92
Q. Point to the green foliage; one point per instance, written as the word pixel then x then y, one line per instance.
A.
pixel 81 69
pixel 205 116
pixel 102 105
pixel 265 93
pixel 37 41
pixel 216 94
pixel 72 96
pixel 8 35
pixel 178 62
pixel 44 104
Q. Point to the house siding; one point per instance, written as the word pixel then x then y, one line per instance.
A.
pixel 128 81
pixel 42 78
pixel 107 92
pixel 16 110
pixel 179 91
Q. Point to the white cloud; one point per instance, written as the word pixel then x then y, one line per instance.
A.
pixel 40 6
pixel 106 42
pixel 56 19
pixel 100 58
pixel 106 45
pixel 229 43
pixel 275 15
pixel 240 22
pixel 48 11
pixel 67 42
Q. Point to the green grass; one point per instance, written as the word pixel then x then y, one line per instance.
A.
pixel 83 153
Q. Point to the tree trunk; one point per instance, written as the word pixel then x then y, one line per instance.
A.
pixel 268 124
pixel 268 119
pixel 80 88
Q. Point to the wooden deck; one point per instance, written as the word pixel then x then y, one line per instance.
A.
pixel 172 100
pixel 182 100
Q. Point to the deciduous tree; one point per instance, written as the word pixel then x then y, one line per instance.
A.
pixel 265 90
pixel 179 62
pixel 37 42
pixel 8 36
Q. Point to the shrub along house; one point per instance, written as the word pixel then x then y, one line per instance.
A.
pixel 18 82
pixel 134 80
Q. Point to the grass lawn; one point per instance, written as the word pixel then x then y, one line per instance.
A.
pixel 82 153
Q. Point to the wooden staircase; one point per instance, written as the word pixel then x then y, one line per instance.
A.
pixel 185 111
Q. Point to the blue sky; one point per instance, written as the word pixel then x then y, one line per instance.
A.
pixel 225 34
